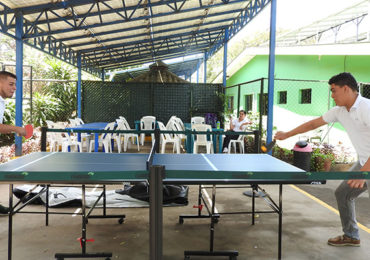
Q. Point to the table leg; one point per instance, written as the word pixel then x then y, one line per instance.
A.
pixel 220 143
pixel 280 219
pixel 10 224
pixel 96 142
pixel 156 175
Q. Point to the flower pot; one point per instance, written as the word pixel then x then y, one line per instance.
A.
pixel 322 164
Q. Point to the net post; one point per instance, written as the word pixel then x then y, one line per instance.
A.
pixel 43 138
pixel 156 175
pixel 156 137
pixel 257 145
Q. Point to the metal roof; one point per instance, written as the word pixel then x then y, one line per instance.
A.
pixel 110 34
pixel 328 30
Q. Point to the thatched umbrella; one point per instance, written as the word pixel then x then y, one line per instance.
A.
pixel 158 73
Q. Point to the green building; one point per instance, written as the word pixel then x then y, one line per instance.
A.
pixel 300 81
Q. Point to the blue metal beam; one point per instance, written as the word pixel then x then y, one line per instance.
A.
pixel 225 58
pixel 131 28
pixel 19 82
pixel 254 8
pixel 175 29
pixel 44 39
pixel 48 44
pixel 103 75
pixel 159 53
pixel 119 11
pixel 54 5
pixel 145 60
pixel 205 66
pixel 180 39
pixel 135 51
pixel 58 5
pixel 271 72
pixel 79 89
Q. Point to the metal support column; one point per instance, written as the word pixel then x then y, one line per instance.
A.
pixel 103 75
pixel 79 85
pixel 225 57
pixel 271 71
pixel 205 67
pixel 198 64
pixel 19 82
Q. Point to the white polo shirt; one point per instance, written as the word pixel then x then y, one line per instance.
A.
pixel 356 122
pixel 237 124
pixel 2 109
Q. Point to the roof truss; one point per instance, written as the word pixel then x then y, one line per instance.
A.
pixel 119 33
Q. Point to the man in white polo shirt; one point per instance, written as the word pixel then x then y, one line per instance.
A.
pixel 353 112
pixel 7 89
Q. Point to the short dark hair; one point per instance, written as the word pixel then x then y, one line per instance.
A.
pixel 344 78
pixel 4 74
pixel 243 111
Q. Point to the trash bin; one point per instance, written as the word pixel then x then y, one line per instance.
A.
pixel 302 155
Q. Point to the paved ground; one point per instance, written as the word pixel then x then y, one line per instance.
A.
pixel 307 225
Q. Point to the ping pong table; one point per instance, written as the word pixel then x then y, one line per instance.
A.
pixel 102 168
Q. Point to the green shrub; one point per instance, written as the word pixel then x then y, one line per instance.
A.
pixel 45 107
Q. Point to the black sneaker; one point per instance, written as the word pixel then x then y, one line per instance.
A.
pixel 3 210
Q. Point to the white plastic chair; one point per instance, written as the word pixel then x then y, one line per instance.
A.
pixel 201 139
pixel 55 139
pixel 167 138
pixel 79 121
pixel 197 120
pixel 169 125
pixel 239 141
pixel 85 138
pixel 71 143
pixel 126 137
pixel 105 139
pixel 118 136
pixel 147 123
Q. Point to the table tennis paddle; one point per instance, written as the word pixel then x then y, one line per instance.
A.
pixel 29 131
pixel 268 147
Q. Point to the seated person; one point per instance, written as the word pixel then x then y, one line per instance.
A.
pixel 236 125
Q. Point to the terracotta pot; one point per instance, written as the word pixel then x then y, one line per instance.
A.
pixel 322 165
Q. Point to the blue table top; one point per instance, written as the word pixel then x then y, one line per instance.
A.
pixel 90 126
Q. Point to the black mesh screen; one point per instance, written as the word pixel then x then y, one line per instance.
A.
pixel 106 101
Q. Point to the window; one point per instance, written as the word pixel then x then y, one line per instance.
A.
pixel 248 103
pixel 306 96
pixel 264 104
pixel 230 103
pixel 282 97
pixel 365 90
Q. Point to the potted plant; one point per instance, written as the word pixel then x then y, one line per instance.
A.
pixel 323 157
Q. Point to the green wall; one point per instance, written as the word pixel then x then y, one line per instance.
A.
pixel 300 69
pixel 308 67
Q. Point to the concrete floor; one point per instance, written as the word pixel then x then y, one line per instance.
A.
pixel 306 227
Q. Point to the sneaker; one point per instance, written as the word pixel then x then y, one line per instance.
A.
pixel 3 210
pixel 225 150
pixel 343 241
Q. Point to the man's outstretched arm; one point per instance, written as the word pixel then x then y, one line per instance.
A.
pixel 303 128
pixel 8 129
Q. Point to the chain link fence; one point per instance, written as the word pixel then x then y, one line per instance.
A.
pixel 295 102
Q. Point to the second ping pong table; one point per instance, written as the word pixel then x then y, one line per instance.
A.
pixel 102 168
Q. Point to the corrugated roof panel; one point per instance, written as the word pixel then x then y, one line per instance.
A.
pixel 23 3
pixel 139 26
